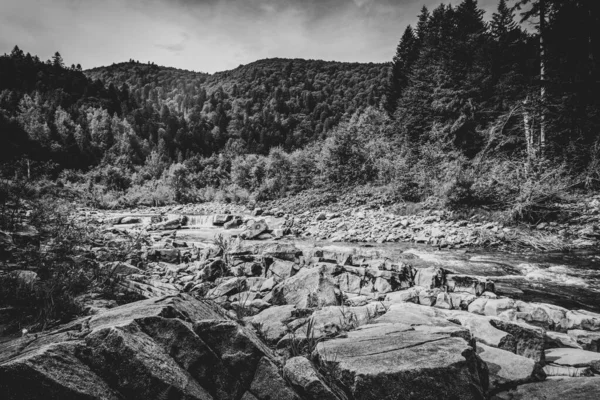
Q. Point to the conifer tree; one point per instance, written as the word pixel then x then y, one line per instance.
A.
pixel 406 55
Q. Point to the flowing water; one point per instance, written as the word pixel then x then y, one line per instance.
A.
pixel 571 280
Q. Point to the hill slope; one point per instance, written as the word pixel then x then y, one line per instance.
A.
pixel 266 103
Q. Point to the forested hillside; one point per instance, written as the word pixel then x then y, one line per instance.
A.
pixel 500 111
pixel 275 102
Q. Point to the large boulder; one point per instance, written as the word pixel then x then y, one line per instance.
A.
pixel 430 278
pixel 307 380
pixel 529 340
pixel 268 384
pixel 271 323
pixel 393 361
pixel 310 287
pixel 483 331
pixel 280 270
pixel 508 369
pixel 587 340
pixel 547 316
pixel 172 347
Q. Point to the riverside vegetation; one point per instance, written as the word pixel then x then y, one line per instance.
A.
pixel 269 221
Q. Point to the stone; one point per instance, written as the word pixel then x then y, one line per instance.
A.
pixel 444 301
pixel 403 296
pixel 558 389
pixel 254 229
pixel 462 300
pixel 430 278
pixel 582 319
pixel 310 287
pixel 587 340
pixel 413 314
pixel 508 369
pixel 388 361
pixel 227 288
pixel 572 357
pixel 267 285
pixel 529 340
pixel 164 254
pixel 167 225
pixel 547 316
pixel 269 385
pixel 120 268
pixel 352 283
pixel 484 332
pixel 280 270
pixel 174 346
pixel 494 307
pixel 24 278
pixel 130 220
pixel 382 285
pixel 478 306
pixel 248 396
pixel 272 322
pixel 306 380
pixel 233 224
pixel 428 297
pixel 469 284
pixel 213 270
pixel 332 320
pixel 557 339
pixel 221 219
pixel 282 251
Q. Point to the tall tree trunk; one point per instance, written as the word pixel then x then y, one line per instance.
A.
pixel 542 78
pixel 591 29
pixel 528 134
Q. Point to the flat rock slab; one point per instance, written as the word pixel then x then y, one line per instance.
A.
pixel 572 357
pixel 391 361
pixel 506 368
pixel 412 314
pixel 555 389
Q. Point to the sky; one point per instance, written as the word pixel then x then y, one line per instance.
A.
pixel 209 35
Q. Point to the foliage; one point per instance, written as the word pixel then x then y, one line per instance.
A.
pixel 62 266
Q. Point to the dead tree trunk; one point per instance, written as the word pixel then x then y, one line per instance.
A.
pixel 530 143
pixel 542 78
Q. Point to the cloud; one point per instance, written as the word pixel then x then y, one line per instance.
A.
pixel 175 47
pixel 208 35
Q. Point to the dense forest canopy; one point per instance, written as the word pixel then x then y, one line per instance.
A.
pixel 460 91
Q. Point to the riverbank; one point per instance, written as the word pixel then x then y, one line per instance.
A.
pixel 373 219
pixel 326 314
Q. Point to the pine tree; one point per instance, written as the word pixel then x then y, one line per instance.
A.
pixel 17 53
pixel 423 24
pixel 503 22
pixel 406 55
pixel 57 60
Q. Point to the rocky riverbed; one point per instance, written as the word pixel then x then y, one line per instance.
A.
pixel 284 314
